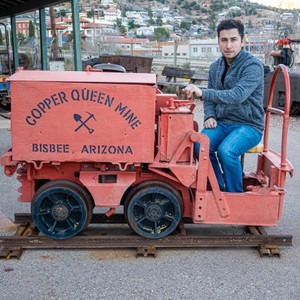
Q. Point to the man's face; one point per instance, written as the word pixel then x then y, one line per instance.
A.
pixel 230 43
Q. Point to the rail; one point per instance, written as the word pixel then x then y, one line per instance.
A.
pixel 285 114
pixel 27 237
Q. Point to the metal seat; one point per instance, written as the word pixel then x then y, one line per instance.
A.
pixel 257 149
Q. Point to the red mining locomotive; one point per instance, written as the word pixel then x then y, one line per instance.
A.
pixel 87 139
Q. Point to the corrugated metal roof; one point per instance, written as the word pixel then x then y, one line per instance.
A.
pixel 15 7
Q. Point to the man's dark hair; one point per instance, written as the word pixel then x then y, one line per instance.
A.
pixel 230 24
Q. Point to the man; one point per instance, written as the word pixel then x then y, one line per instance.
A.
pixel 233 105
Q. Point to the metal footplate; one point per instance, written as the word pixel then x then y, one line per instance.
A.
pixel 27 237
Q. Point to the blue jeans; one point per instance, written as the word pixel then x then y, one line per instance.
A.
pixel 227 143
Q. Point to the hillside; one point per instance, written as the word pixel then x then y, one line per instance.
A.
pixel 208 12
pixel 199 8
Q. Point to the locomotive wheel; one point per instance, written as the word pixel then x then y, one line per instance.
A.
pixel 61 209
pixel 153 209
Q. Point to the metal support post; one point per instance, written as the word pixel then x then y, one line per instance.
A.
pixel 76 35
pixel 14 42
pixel 43 40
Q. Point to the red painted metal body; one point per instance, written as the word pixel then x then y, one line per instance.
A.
pixel 109 132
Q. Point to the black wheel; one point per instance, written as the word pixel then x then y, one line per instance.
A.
pixel 61 209
pixel 153 209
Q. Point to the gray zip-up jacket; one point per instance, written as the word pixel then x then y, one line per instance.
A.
pixel 240 100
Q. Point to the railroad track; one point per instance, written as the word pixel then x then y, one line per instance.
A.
pixel 27 237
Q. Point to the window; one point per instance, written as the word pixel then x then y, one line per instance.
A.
pixel 195 49
pixel 203 49
pixel 183 54
pixel 208 49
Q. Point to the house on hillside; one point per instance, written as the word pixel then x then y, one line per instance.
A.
pixel 145 31
pixel 112 14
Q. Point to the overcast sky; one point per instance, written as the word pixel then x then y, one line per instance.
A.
pixel 285 4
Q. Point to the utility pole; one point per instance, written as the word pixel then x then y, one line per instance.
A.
pixel 53 33
pixel 175 51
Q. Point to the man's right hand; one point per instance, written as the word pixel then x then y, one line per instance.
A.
pixel 210 123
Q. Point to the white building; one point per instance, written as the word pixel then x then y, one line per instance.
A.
pixel 269 28
pixel 107 2
pixel 145 31
pixel 194 49
pixel 112 14
pixel 287 16
pixel 168 50
pixel 205 49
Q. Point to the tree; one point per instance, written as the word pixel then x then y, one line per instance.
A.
pixel 216 6
pixel 131 24
pixel 70 37
pixel 161 34
pixel 289 30
pixel 185 25
pixel 118 23
pixel 186 65
pixel 236 14
pixel 278 25
pixel 121 27
pixel 212 24
pixel 1 38
pixel 90 14
pixel 20 36
pixel 186 5
pixel 249 24
pixel 31 29
pixel 150 14
pixel 159 21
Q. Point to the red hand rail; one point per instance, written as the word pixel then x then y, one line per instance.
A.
pixel 172 103
pixel 285 113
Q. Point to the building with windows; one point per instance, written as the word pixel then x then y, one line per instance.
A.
pixel 112 14
pixel 22 26
pixel 168 49
pixel 204 49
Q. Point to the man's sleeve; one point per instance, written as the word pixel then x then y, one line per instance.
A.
pixel 251 77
